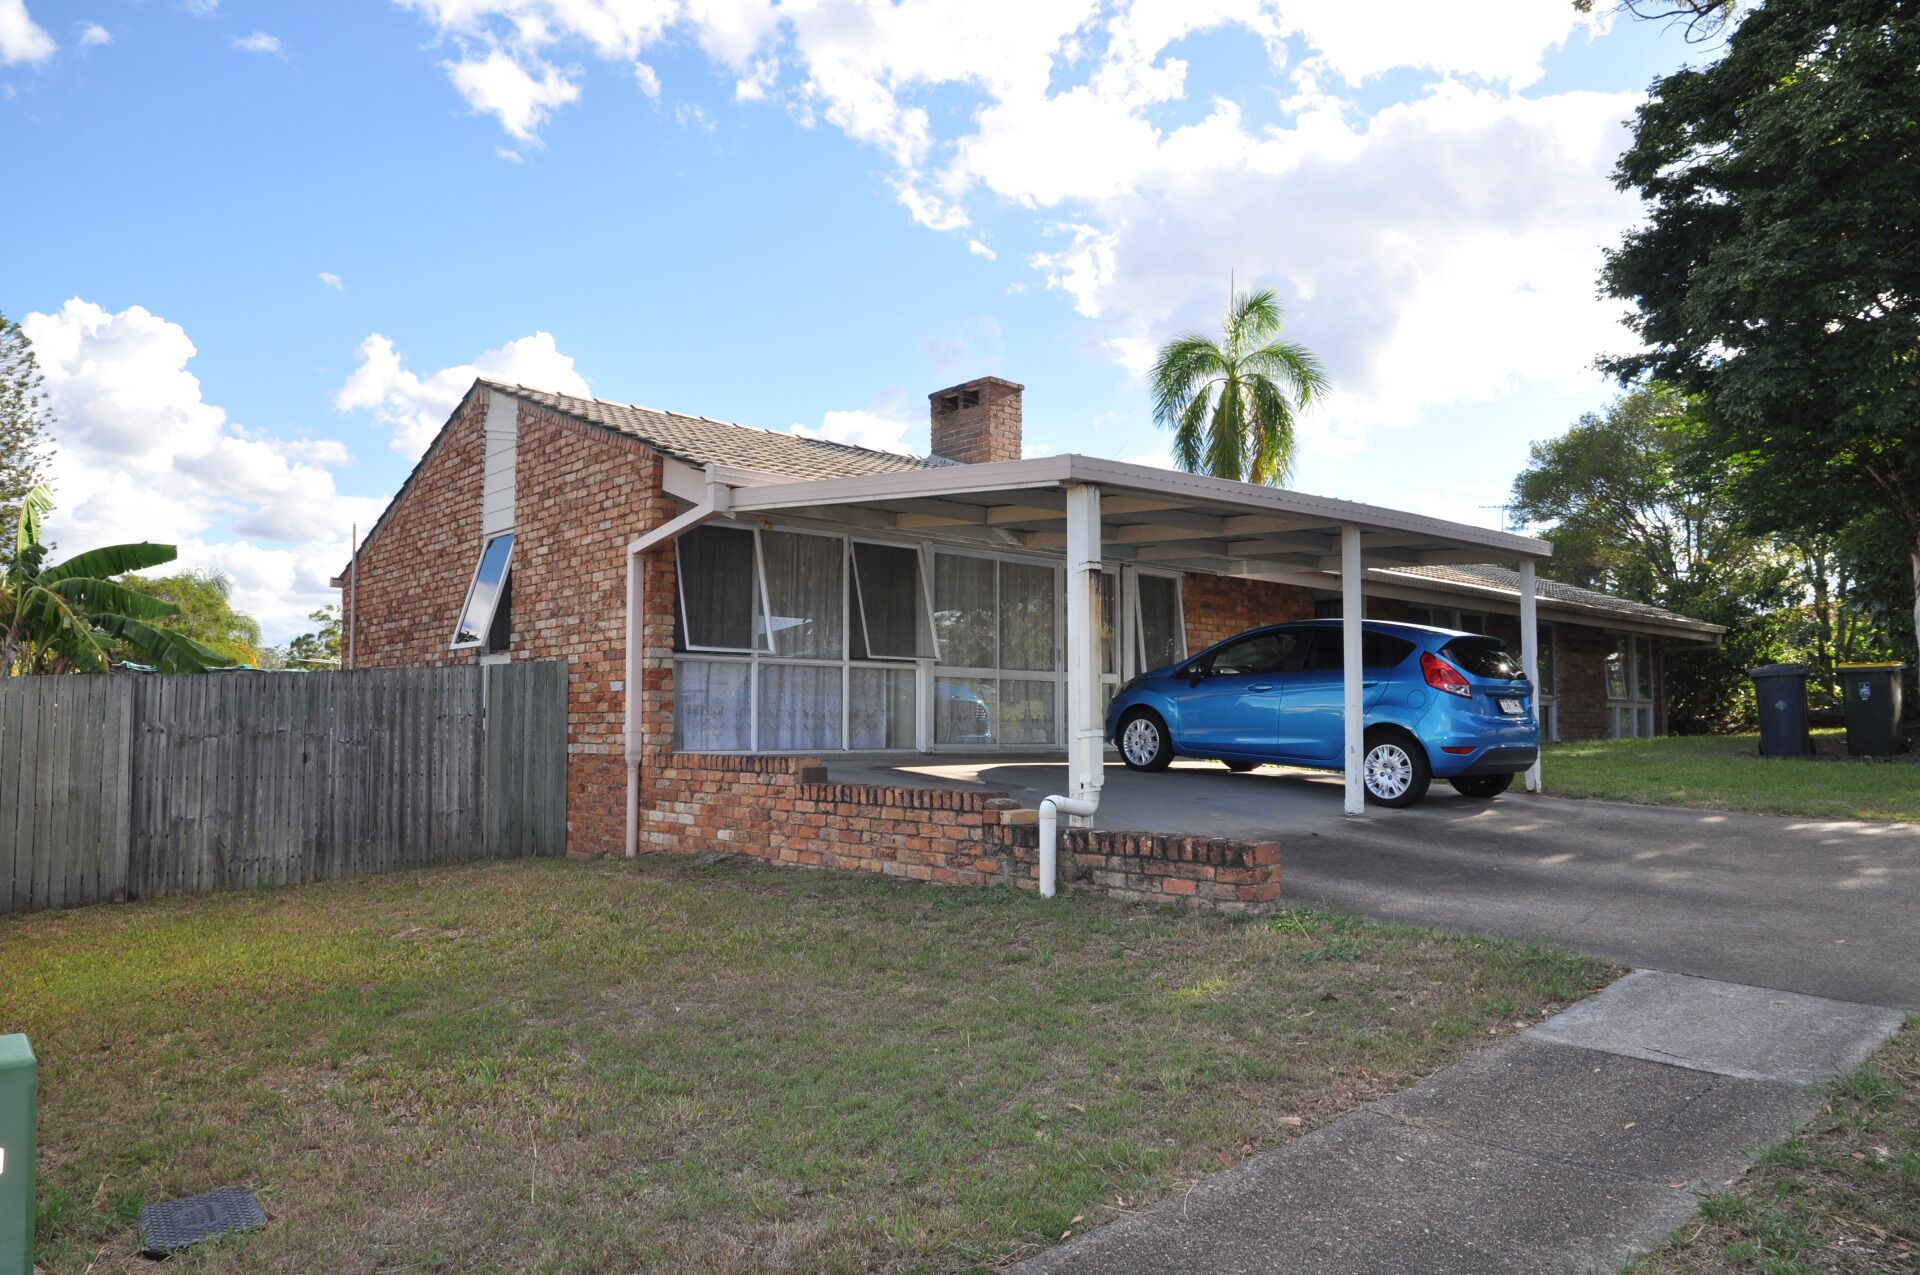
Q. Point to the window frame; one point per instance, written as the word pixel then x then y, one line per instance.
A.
pixel 1139 644
pixel 856 600
pixel 927 669
pixel 756 624
pixel 485 628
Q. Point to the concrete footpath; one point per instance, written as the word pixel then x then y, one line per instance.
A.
pixel 1568 1147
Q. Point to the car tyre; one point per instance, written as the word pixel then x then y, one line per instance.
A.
pixel 1394 772
pixel 1482 787
pixel 1143 741
pixel 1240 767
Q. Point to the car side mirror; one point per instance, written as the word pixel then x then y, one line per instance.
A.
pixel 1194 674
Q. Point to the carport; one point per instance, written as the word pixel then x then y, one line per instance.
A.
pixel 1098 513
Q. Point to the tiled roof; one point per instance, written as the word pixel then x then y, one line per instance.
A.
pixel 700 441
pixel 1508 580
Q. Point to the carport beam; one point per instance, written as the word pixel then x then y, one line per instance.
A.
pixel 1352 613
pixel 1530 653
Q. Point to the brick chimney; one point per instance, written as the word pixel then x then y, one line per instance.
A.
pixel 978 421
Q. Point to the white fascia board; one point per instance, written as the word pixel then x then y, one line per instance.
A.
pixel 1500 545
pixel 1385 583
pixel 1112 475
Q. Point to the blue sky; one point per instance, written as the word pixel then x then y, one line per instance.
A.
pixel 262 246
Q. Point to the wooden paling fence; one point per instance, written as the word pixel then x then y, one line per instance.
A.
pixel 128 786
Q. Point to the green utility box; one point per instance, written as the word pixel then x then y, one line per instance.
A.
pixel 19 1122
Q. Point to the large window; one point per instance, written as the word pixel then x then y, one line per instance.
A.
pixel 999 621
pixel 485 619
pixel 795 642
pixel 790 641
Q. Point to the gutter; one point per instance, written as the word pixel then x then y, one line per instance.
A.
pixel 716 502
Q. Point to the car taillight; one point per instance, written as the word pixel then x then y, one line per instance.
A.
pixel 1442 676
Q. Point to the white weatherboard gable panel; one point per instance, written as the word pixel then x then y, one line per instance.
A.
pixel 496 492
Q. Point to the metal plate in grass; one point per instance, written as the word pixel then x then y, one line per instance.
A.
pixel 176 1224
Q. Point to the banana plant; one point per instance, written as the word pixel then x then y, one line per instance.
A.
pixel 66 618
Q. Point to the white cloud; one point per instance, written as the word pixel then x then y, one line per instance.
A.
pixel 1359 41
pixel 979 249
pixel 509 154
pixel 21 38
pixel 258 42
pixel 202 8
pixel 332 280
pixel 499 86
pixel 645 79
pixel 414 407
pixel 1441 248
pixel 141 455
pixel 881 425
pixel 93 35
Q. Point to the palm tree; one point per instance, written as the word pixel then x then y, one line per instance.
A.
pixel 1231 405
pixel 65 618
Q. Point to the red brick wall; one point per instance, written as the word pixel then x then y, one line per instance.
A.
pixel 988 430
pixel 782 810
pixel 416 563
pixel 581 494
pixel 1220 606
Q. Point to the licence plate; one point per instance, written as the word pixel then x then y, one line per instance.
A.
pixel 1512 707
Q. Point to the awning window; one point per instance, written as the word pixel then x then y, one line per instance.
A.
pixel 484 594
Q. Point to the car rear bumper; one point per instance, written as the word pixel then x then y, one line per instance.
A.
pixel 1498 761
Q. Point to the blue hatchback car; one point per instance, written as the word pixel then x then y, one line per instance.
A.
pixel 1439 704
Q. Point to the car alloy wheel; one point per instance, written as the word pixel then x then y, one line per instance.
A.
pixel 1140 741
pixel 1389 771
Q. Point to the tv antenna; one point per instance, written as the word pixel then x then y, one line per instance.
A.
pixel 1507 522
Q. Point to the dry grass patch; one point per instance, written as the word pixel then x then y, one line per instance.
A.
pixel 668 1066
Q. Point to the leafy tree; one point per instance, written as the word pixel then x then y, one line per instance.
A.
pixel 1778 273
pixel 23 427
pixel 69 617
pixel 203 611
pixel 1699 19
pixel 321 648
pixel 1231 403
pixel 1628 515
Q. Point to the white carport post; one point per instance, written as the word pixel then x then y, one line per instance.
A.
pixel 1354 708
pixel 1530 652
pixel 1085 712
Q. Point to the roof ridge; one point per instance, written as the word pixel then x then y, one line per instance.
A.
pixel 711 420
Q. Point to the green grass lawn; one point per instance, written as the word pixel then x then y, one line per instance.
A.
pixel 574 1066
pixel 1725 772
pixel 1841 1196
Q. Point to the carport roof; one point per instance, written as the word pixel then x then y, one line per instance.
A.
pixel 1151 516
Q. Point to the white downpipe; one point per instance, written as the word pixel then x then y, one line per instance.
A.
pixel 1085 737
pixel 718 500
pixel 1530 652
pixel 1050 810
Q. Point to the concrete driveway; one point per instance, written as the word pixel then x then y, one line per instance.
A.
pixel 1824 907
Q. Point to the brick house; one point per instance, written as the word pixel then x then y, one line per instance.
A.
pixel 789 598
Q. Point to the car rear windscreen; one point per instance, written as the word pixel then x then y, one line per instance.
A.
pixel 1484 657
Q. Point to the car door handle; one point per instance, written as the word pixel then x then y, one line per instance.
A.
pixel 1261 686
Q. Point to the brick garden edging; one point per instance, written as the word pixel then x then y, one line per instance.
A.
pixel 785 810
